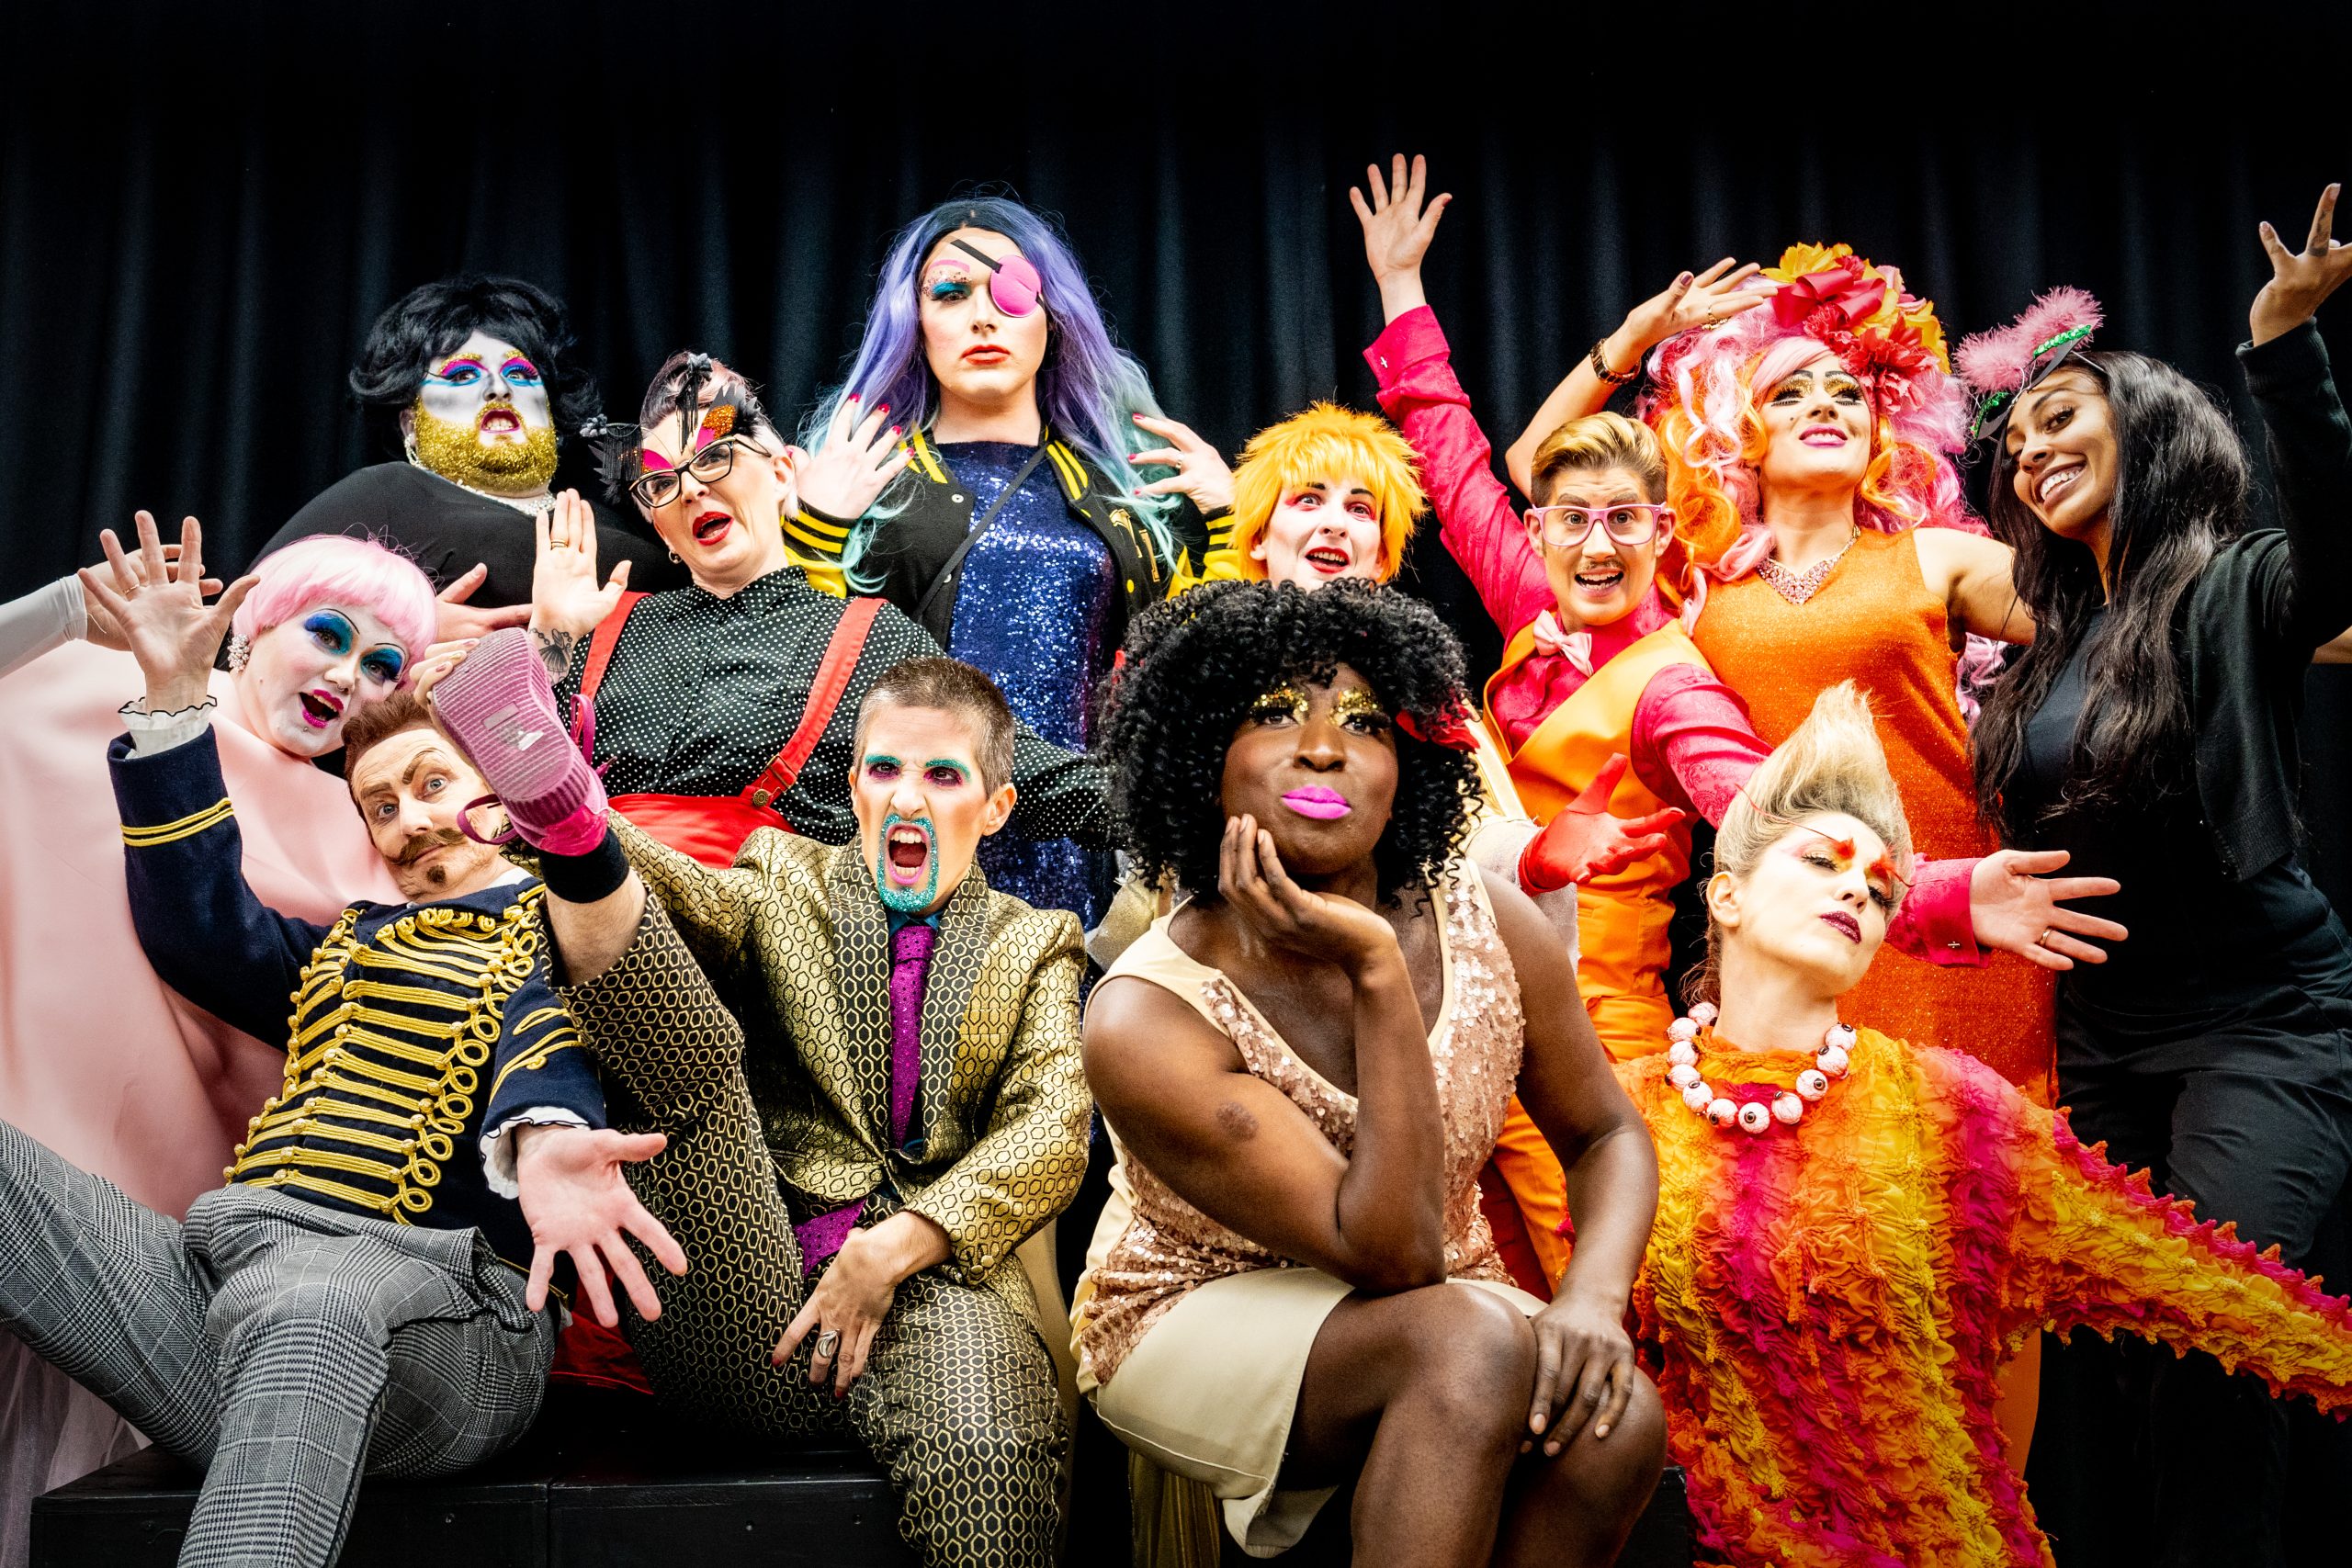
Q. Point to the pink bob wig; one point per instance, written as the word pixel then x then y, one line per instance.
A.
pixel 356 574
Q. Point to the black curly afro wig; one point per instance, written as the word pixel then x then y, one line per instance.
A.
pixel 1195 664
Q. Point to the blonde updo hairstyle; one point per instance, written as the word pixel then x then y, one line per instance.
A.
pixel 1832 765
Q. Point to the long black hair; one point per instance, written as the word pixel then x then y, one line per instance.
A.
pixel 1194 666
pixel 2180 493
pixel 432 318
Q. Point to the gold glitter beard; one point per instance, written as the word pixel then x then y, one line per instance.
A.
pixel 456 452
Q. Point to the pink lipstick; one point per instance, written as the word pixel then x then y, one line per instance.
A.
pixel 1316 801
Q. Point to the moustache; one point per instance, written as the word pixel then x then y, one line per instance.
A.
pixel 418 847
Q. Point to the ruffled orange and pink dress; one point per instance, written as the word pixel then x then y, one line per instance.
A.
pixel 1825 1305
pixel 1191 1337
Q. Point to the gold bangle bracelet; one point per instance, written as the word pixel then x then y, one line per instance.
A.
pixel 1600 365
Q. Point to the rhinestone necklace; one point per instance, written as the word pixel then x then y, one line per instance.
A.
pixel 1797 587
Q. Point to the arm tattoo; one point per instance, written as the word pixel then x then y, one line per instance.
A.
pixel 555 650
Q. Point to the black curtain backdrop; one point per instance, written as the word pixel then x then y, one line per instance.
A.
pixel 202 207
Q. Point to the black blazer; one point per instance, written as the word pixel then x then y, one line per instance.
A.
pixel 2267 601
pixel 910 551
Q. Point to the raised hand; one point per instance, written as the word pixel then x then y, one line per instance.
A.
pixel 1692 300
pixel 1281 913
pixel 157 607
pixel 1201 471
pixel 99 628
pixel 2301 280
pixel 1584 840
pixel 577 1202
pixel 454 619
pixel 1397 229
pixel 567 599
pixel 2018 907
pixel 846 475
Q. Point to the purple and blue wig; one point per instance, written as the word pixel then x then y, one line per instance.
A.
pixel 1087 386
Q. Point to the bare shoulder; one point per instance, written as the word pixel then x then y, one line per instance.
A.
pixel 1137 1032
pixel 1947 556
pixel 1525 931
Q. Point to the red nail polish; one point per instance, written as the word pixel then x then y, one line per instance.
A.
pixel 896 430
pixel 885 409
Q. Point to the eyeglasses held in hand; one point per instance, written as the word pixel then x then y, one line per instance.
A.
pixel 657 488
pixel 1567 527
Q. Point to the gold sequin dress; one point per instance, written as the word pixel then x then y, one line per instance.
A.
pixel 1206 1332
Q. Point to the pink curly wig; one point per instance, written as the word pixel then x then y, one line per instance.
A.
pixel 328 569
pixel 1703 403
pixel 1701 399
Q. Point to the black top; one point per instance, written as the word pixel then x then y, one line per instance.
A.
pixel 2201 939
pixel 703 693
pixel 414 1028
pixel 2218 905
pixel 2268 600
pixel 447 529
pixel 910 551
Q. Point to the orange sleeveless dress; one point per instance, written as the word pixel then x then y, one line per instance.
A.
pixel 1875 623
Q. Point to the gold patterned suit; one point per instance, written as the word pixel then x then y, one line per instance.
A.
pixel 750 1021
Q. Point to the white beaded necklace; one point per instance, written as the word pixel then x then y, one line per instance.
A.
pixel 1787 1107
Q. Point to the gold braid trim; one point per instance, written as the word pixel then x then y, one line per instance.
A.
pixel 494 955
pixel 187 826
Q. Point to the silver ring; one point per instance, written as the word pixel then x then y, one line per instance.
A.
pixel 828 1343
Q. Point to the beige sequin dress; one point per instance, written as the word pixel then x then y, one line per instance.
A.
pixel 1192 1337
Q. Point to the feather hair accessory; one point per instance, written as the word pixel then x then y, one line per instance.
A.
pixel 616 447
pixel 2000 365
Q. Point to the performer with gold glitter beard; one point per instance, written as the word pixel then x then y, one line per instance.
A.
pixel 472 369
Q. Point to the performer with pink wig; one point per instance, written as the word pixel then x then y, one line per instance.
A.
pixel 2151 731
pixel 99 1060
pixel 1600 667
pixel 1810 444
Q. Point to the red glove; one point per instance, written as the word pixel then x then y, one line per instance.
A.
pixel 1584 841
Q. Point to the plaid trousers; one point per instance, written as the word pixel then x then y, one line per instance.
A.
pixel 282 1347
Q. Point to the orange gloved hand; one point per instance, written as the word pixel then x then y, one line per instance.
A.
pixel 1585 841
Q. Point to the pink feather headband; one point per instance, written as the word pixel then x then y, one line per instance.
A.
pixel 2003 364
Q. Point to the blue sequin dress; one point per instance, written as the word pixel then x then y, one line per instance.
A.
pixel 1032 611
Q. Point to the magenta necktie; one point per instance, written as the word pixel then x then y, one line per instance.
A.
pixel 909 966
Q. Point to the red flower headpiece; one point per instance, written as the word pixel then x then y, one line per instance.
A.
pixel 1863 315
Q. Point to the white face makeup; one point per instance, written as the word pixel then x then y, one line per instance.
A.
pixel 482 418
pixel 1817 903
pixel 1817 429
pixel 978 355
pixel 1321 531
pixel 305 676
pixel 922 804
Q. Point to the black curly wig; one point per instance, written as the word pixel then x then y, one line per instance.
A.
pixel 432 318
pixel 1195 664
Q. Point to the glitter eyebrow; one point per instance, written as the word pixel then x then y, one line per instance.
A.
pixel 1357 702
